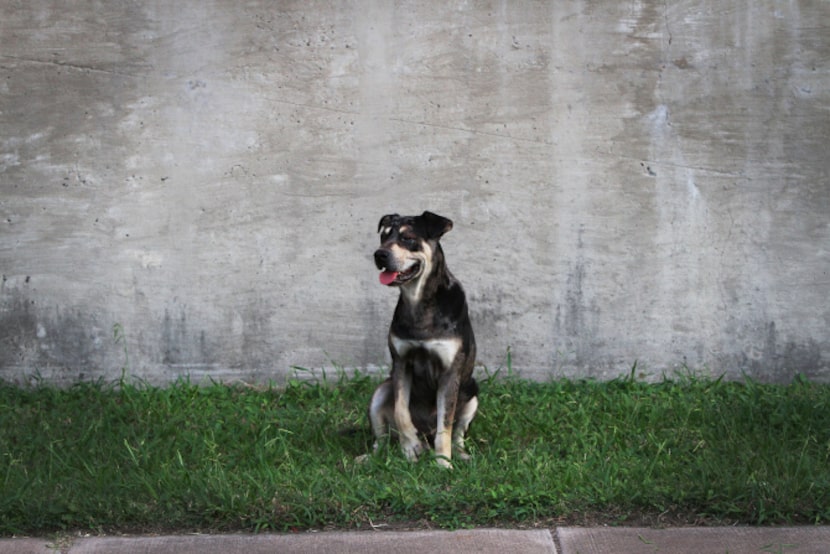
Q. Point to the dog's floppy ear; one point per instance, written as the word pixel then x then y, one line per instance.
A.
pixel 435 225
pixel 386 221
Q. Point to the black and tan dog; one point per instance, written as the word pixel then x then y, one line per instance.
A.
pixel 430 396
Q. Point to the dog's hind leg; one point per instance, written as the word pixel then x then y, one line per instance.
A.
pixel 381 411
pixel 380 415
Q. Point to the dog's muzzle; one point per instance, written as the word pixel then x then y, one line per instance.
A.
pixel 391 273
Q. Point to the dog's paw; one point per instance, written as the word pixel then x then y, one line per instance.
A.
pixel 462 455
pixel 412 450
pixel 362 459
pixel 443 462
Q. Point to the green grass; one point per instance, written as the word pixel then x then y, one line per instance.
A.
pixel 125 457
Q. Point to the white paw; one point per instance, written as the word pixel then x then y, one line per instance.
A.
pixel 443 462
pixel 412 450
pixel 462 455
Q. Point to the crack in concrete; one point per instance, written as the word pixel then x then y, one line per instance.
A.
pixel 471 131
pixel 674 165
pixel 69 65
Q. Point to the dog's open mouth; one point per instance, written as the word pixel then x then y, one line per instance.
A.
pixel 391 278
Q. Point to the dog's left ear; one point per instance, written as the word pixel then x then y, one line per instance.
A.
pixel 436 225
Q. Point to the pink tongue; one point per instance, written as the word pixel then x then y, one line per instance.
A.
pixel 388 277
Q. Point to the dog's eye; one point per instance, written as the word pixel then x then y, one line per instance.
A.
pixel 409 242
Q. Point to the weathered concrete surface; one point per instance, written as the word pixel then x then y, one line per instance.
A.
pixel 733 540
pixel 477 541
pixel 631 181
pixel 571 540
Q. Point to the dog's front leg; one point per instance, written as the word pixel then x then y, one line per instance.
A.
pixel 447 398
pixel 407 433
pixel 462 423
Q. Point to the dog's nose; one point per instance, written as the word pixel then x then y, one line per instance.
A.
pixel 382 258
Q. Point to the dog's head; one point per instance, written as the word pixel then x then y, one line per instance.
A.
pixel 408 246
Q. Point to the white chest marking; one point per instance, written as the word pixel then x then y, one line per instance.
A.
pixel 444 349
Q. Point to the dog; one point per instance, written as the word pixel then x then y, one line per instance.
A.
pixel 430 397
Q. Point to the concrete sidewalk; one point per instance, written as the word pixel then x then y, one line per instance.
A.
pixel 564 540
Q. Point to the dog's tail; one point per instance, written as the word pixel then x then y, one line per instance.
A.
pixel 468 389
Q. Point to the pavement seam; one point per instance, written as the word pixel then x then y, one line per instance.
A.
pixel 557 544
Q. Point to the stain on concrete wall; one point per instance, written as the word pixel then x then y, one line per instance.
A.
pixel 630 181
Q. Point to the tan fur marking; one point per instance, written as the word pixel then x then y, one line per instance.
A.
pixel 408 434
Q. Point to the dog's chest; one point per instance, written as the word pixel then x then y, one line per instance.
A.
pixel 444 350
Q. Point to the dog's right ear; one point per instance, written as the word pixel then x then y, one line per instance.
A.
pixel 386 221
pixel 436 225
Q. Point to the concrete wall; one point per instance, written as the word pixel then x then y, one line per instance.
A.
pixel 630 181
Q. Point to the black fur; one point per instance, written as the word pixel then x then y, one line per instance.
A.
pixel 430 338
